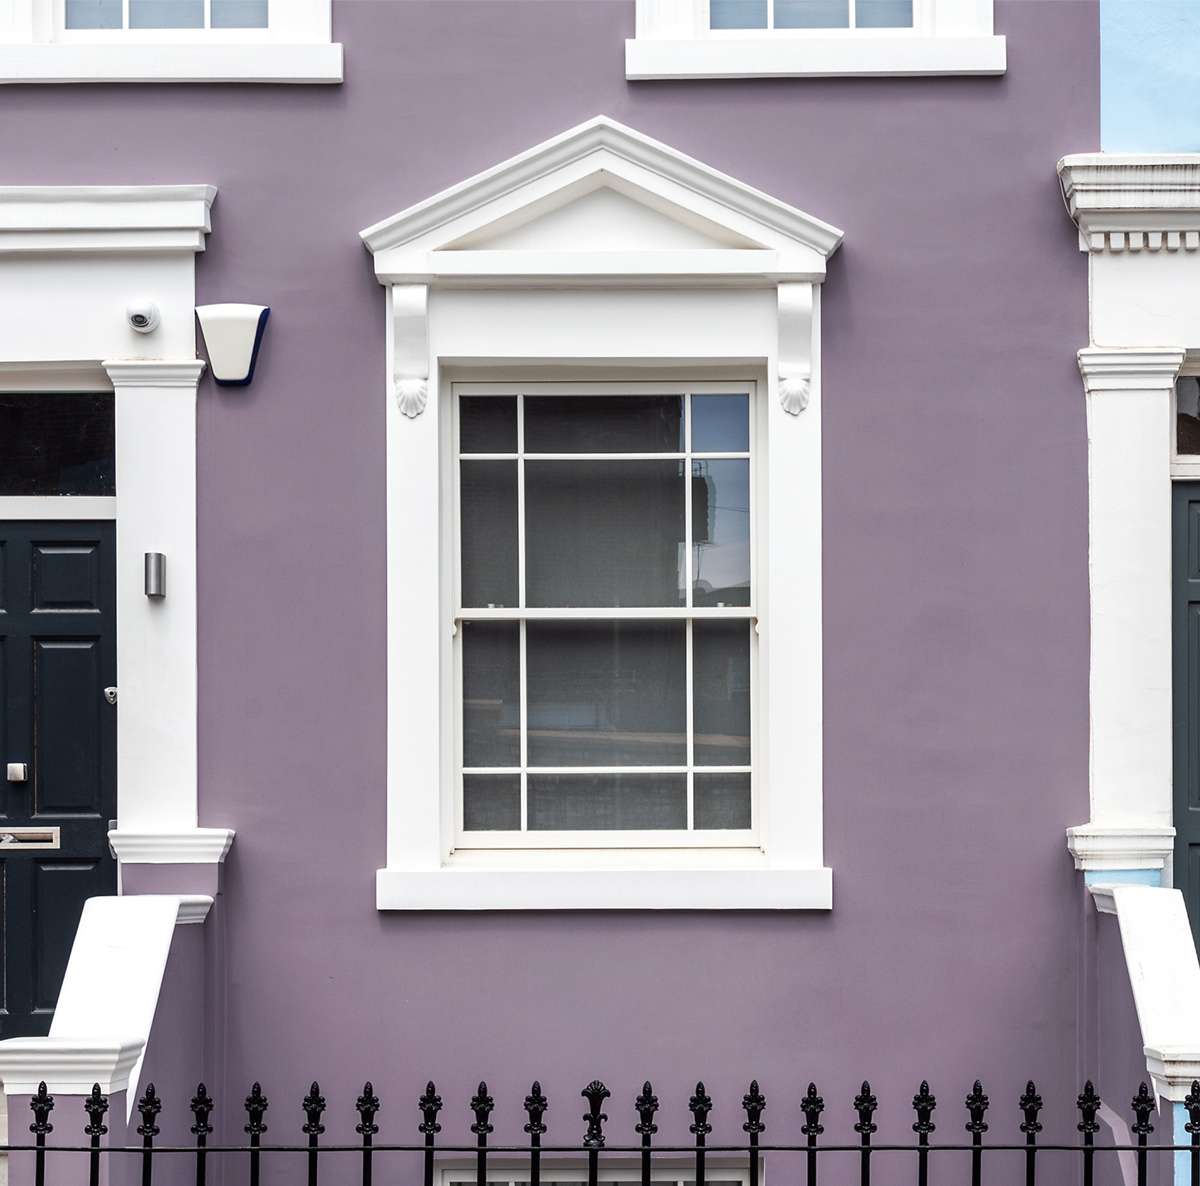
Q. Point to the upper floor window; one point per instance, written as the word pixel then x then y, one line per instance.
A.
pixel 166 14
pixel 810 14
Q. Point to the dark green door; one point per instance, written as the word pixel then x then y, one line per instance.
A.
pixel 57 752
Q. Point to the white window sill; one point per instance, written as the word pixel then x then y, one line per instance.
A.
pixel 461 888
pixel 816 57
pixel 57 63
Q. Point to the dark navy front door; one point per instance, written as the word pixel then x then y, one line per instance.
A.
pixel 58 733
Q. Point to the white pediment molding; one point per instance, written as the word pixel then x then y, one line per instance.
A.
pixel 743 235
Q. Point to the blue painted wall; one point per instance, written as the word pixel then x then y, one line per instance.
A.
pixel 1149 75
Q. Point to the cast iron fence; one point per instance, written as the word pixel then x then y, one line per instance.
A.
pixel 594 1140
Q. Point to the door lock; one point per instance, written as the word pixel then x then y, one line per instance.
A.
pixel 110 694
pixel 18 772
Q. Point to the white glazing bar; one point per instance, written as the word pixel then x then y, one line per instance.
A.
pixel 524 727
pixel 606 769
pixel 691 749
pixel 587 614
pixel 524 710
pixel 710 456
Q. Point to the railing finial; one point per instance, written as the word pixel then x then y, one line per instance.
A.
pixel 430 1104
pixel 482 1105
pixel 367 1106
pixel 646 1105
pixel 595 1093
pixel 754 1103
pixel 812 1105
pixel 700 1105
pixel 42 1104
pixel 977 1106
pixel 314 1106
pixel 535 1106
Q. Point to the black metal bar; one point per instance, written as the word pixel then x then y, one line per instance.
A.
pixel 812 1106
pixel 149 1106
pixel 1031 1104
pixel 314 1106
pixel 202 1106
pixel 367 1105
pixel 593 1139
pixel 923 1104
pixel 95 1106
pixel 865 1104
pixel 482 1105
pixel 535 1106
pixel 430 1104
pixel 1088 1105
pixel 977 1105
pixel 700 1105
pixel 42 1104
pixel 256 1110
pixel 754 1103
pixel 646 1105
pixel 1192 1103
pixel 1143 1105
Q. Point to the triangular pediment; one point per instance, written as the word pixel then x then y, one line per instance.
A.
pixel 600 200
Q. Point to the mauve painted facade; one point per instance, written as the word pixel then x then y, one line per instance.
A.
pixel 955 575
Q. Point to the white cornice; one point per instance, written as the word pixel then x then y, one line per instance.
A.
pixel 68 1066
pixel 1133 202
pixel 153 372
pixel 193 908
pixel 192 846
pixel 1123 846
pixel 110 218
pixel 1174 1068
pixel 1140 369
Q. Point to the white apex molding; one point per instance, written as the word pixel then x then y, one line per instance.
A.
pixel 188 846
pixel 1143 368
pixel 68 1066
pixel 1120 846
pixel 108 218
pixel 154 372
pixel 1133 201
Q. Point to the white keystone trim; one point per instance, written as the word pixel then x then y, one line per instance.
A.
pixel 68 1066
pixel 194 846
pixel 1095 847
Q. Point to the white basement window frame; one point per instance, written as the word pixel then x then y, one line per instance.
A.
pixel 614 1170
pixel 675 39
pixel 296 46
pixel 602 255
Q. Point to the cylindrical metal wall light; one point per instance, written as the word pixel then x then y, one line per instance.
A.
pixel 156 574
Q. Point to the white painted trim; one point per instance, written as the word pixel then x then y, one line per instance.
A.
pixel 13 507
pixel 68 1066
pixel 54 376
pixel 193 909
pixel 1096 847
pixel 194 846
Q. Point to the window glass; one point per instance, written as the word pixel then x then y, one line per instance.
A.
pixel 491 694
pixel 1187 414
pixel 239 14
pixel 604 424
pixel 737 14
pixel 166 14
pixel 488 519
pixel 93 14
pixel 57 444
pixel 720 424
pixel 722 801
pixel 812 14
pixel 492 802
pixel 721 693
pixel 883 14
pixel 721 532
pixel 487 424
pixel 598 802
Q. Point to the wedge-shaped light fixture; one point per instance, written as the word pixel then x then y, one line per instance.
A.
pixel 233 334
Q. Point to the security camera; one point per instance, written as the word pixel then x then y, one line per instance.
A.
pixel 143 317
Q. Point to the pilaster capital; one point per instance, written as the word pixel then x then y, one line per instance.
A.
pixel 1142 368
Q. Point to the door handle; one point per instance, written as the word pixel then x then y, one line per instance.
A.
pixel 18 772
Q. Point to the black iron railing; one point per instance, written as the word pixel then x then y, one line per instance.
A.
pixel 594 1141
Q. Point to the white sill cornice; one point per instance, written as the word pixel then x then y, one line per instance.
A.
pixel 68 1066
pixel 82 62
pixel 1097 847
pixel 190 846
pixel 857 56
pixel 462 888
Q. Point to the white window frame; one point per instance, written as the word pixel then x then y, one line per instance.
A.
pixel 1185 467
pixel 630 839
pixel 673 39
pixel 298 46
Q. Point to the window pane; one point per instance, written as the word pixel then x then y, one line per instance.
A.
pixel 491 802
pixel 93 14
pixel 883 14
pixel 588 802
pixel 1187 414
pixel 721 801
pixel 606 693
pixel 489 533
pixel 239 14
pixel 487 424
pixel 604 424
pixel 56 444
pixel 737 14
pixel 604 533
pixel 812 14
pixel 491 694
pixel 721 693
pixel 720 424
pixel 166 14
pixel 721 533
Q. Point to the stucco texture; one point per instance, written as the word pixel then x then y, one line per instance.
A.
pixel 956 615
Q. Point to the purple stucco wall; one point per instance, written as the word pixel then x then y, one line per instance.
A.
pixel 955 576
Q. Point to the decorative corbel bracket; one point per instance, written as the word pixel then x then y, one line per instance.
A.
pixel 795 346
pixel 410 347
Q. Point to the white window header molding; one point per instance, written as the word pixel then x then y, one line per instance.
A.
pixel 948 37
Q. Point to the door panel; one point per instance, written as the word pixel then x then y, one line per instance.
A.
pixel 57 654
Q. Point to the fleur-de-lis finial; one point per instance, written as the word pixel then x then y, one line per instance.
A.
pixel 535 1106
pixel 700 1105
pixel 95 1106
pixel 646 1105
pixel 812 1105
pixel 314 1106
pixel 149 1106
pixel 1030 1104
pixel 754 1103
pixel 977 1106
pixel 42 1104
pixel 595 1093
pixel 202 1106
pixel 923 1104
pixel 865 1104
pixel 1088 1105
pixel 256 1110
pixel 1143 1105
pixel 430 1104
pixel 1192 1103
pixel 482 1105
pixel 367 1107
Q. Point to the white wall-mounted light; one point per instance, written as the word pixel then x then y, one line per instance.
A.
pixel 233 334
